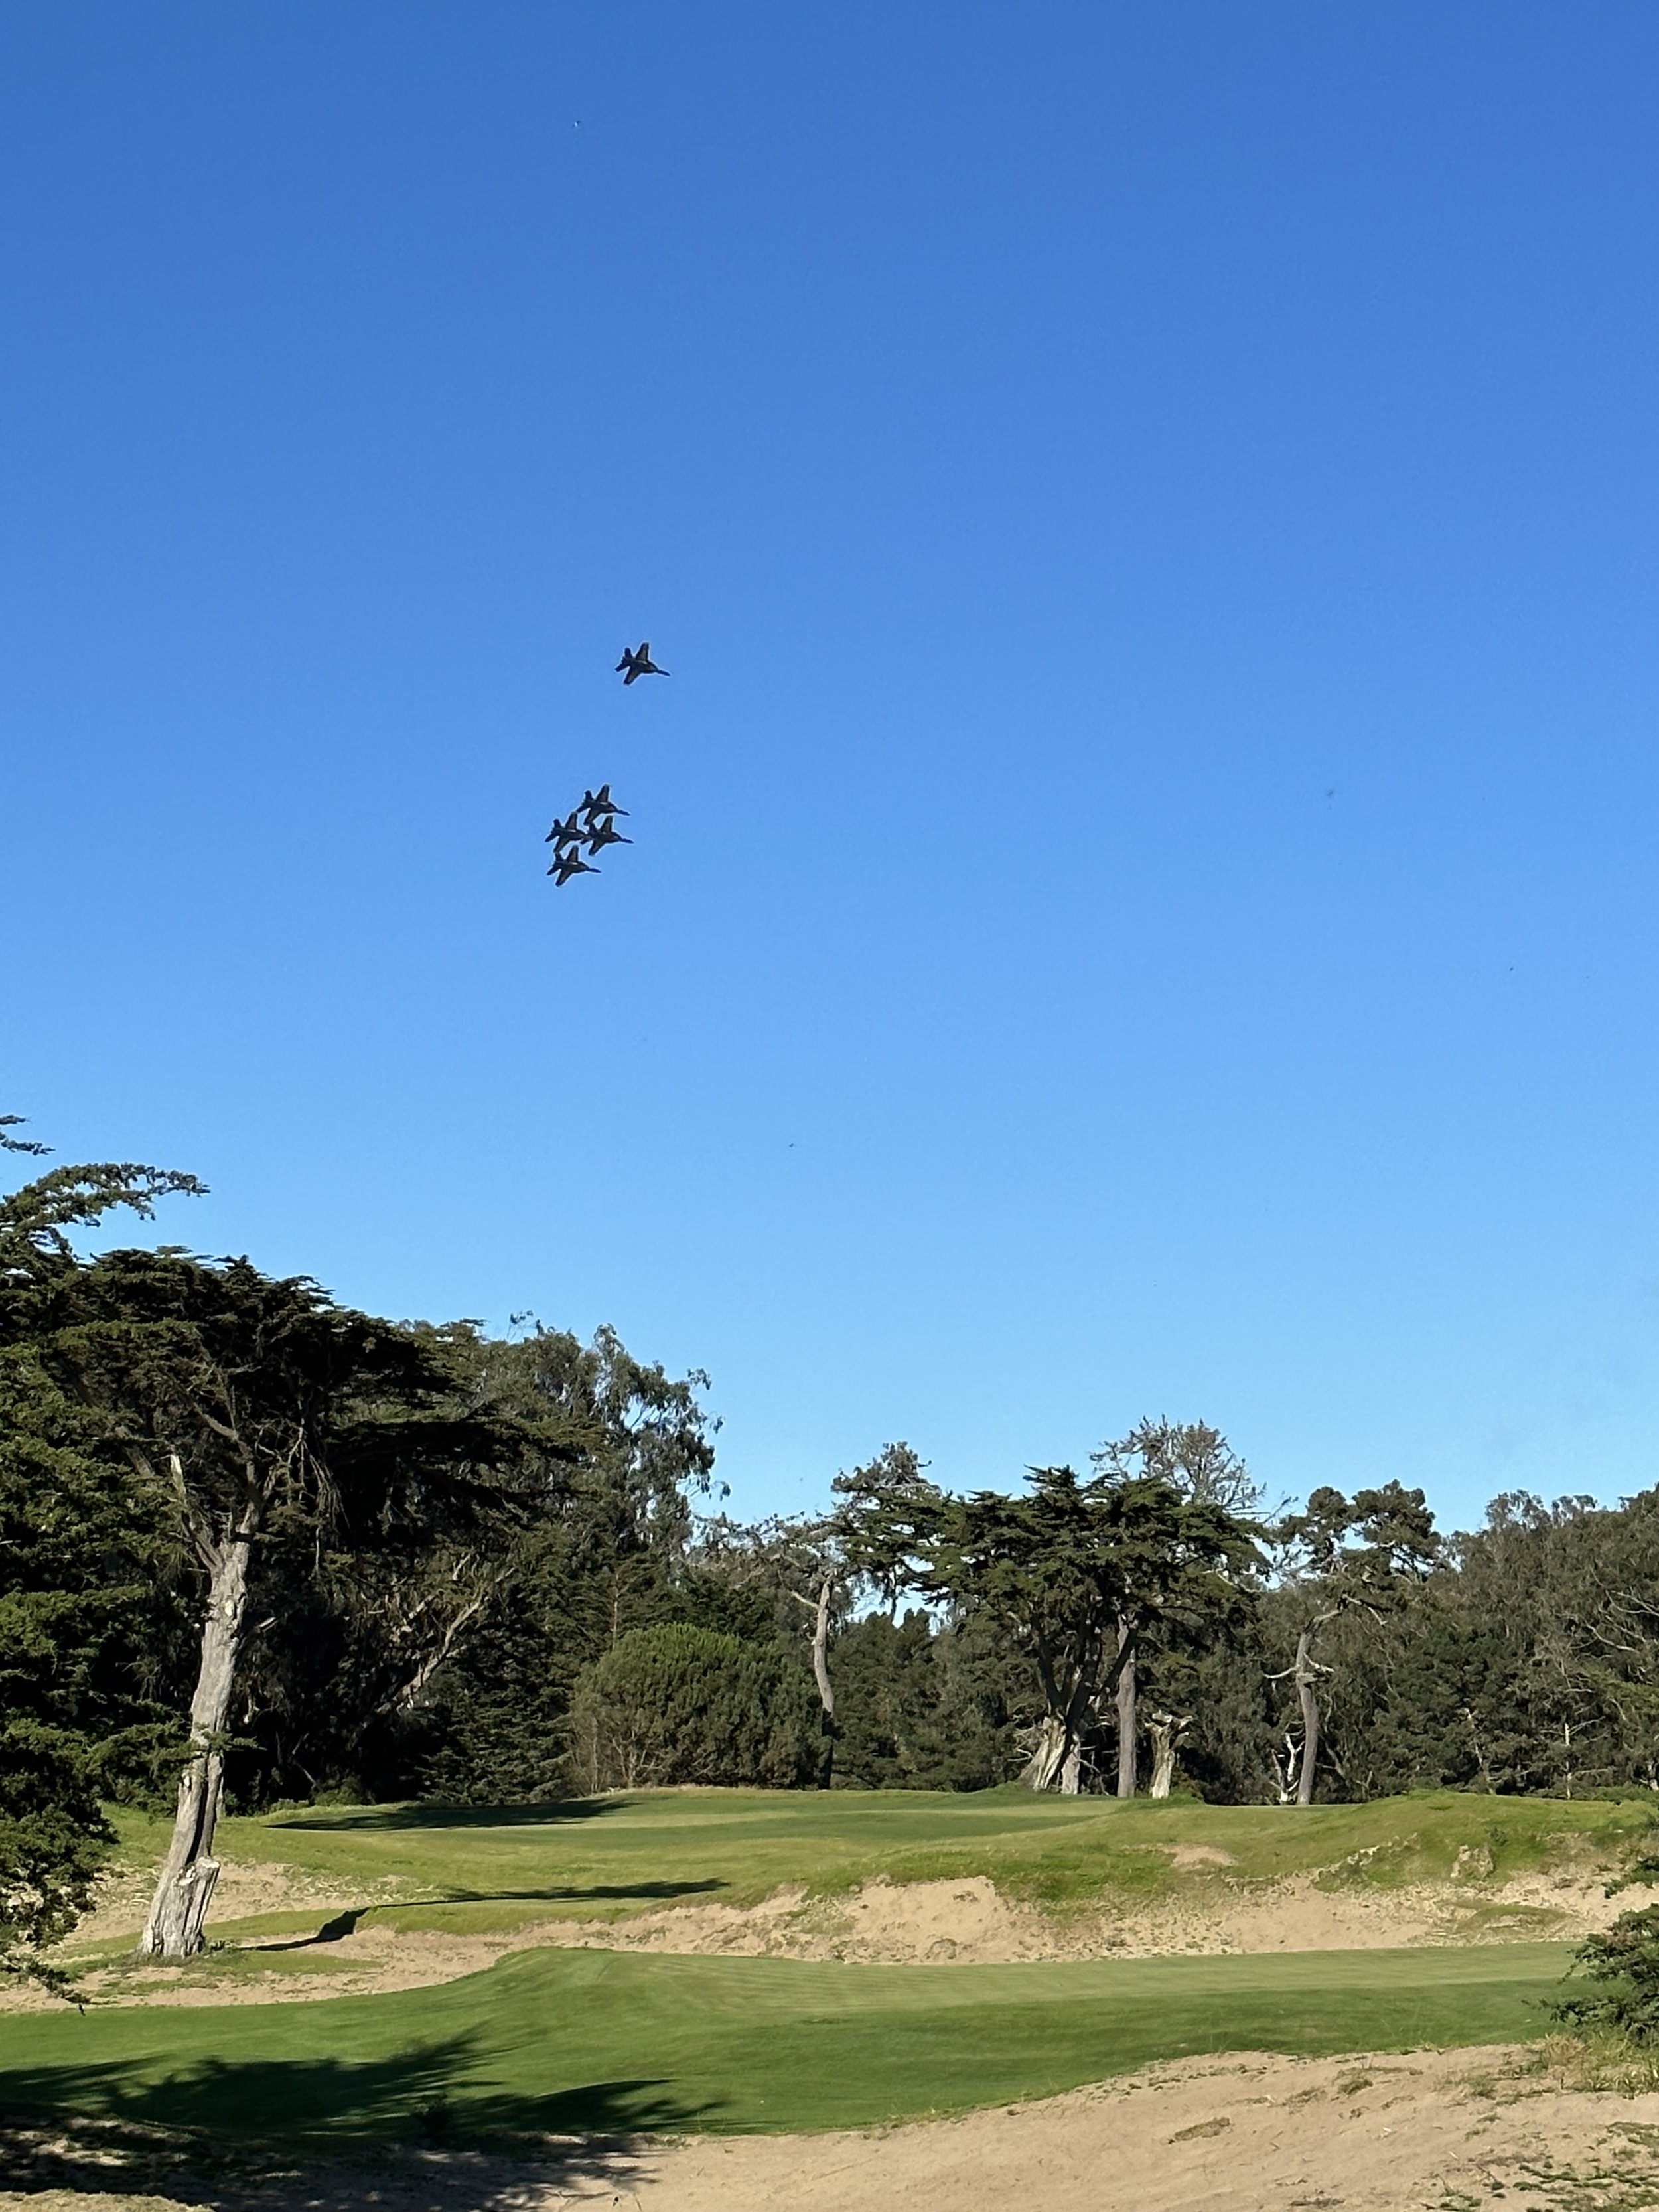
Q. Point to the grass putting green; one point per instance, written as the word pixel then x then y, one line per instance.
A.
pixel 607 1857
pixel 600 2040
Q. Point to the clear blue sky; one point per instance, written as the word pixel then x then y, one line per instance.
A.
pixel 1144 889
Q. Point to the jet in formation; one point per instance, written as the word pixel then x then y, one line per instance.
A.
pixel 594 824
pixel 637 662
pixel 567 864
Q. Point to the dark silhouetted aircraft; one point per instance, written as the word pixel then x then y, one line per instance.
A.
pixel 639 663
pixel 569 864
pixel 599 802
pixel 601 833
pixel 567 832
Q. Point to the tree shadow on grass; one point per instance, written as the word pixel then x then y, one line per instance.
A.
pixel 231 2132
pixel 372 1820
pixel 331 1931
pixel 665 1892
pixel 343 1924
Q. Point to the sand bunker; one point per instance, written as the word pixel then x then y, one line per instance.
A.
pixel 378 1958
pixel 965 1921
pixel 1386 2134
pixel 1454 2130
pixel 912 1923
pixel 970 1921
pixel 244 1888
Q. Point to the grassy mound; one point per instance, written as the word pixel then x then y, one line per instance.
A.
pixel 598 1858
pixel 562 2040
pixel 582 2040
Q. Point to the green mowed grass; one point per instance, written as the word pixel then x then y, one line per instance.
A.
pixel 464 1868
pixel 597 2041
pixel 582 2041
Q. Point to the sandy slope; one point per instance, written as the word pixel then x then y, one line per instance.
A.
pixel 1433 2132
pixel 1233 2135
pixel 966 1920
pixel 244 1888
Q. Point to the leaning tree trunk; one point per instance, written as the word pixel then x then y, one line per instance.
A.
pixel 1127 1700
pixel 1307 1691
pixel 189 1871
pixel 821 1676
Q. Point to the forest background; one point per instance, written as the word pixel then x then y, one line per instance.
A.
pixel 256 1547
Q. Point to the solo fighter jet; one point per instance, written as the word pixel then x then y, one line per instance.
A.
pixel 638 663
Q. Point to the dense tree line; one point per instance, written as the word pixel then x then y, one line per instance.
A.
pixel 258 1547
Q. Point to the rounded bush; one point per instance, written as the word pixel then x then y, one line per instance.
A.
pixel 678 1704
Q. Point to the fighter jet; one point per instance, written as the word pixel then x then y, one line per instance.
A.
pixel 600 834
pixel 567 832
pixel 569 864
pixel 638 663
pixel 599 802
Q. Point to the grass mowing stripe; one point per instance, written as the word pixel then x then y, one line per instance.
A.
pixel 597 2040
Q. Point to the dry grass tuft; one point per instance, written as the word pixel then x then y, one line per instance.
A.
pixel 1599 2058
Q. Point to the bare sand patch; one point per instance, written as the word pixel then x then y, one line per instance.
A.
pixel 1437 2130
pixel 362 1964
pixel 244 1888
pixel 1197 1855
pixel 914 1923
pixel 74 2200
pixel 1301 1913
pixel 965 1920
pixel 1383 2135
pixel 968 1920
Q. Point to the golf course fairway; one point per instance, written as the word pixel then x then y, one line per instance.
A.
pixel 588 2039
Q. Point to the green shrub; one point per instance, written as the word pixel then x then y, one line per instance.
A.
pixel 1623 1962
pixel 678 1704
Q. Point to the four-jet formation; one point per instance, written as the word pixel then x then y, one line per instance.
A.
pixel 594 824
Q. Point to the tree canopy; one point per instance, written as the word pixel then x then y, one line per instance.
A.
pixel 257 1545
pixel 79 1617
pixel 1074 1572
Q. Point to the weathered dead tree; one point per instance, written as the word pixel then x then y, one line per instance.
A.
pixel 819 1607
pixel 189 1871
pixel 1168 1731
pixel 1305 1673
pixel 1127 1701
